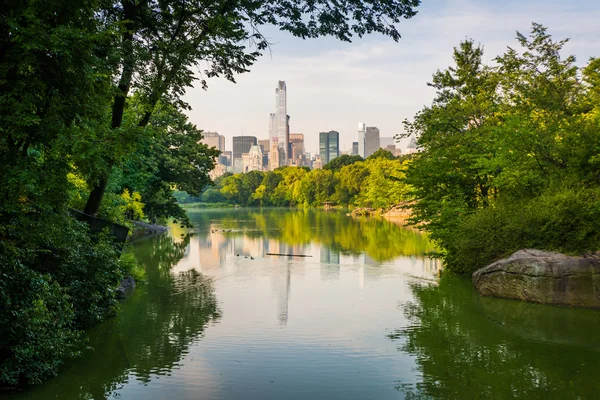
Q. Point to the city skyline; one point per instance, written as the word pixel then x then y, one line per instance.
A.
pixel 333 85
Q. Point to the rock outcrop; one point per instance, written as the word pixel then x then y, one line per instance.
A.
pixel 543 277
pixel 125 288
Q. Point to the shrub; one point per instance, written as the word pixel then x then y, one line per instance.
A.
pixel 563 220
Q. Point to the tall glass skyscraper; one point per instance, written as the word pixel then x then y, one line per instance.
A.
pixel 281 119
pixel 329 145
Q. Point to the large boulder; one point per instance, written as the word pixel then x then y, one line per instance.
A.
pixel 543 277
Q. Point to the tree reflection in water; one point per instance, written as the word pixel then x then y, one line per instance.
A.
pixel 378 238
pixel 152 333
pixel 468 347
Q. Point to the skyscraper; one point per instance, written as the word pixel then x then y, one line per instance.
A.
pixel 241 145
pixel 329 145
pixel 264 144
pixel 297 147
pixel 213 139
pixel 371 141
pixel 282 119
pixel 361 139
pixel 354 148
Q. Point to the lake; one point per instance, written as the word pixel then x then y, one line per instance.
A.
pixel 364 315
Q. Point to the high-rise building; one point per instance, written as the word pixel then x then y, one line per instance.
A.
pixel 354 148
pixel 297 148
pixel 329 145
pixel 275 155
pixel 362 129
pixel 265 145
pixel 213 139
pixel 371 141
pixel 228 155
pixel 282 119
pixel 241 145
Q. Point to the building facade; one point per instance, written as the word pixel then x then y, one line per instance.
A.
pixel 255 159
pixel 297 149
pixel 371 141
pixel 213 139
pixel 362 130
pixel 329 145
pixel 282 119
pixel 275 156
pixel 317 163
pixel 354 149
pixel 241 145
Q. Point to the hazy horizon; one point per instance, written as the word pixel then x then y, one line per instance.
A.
pixel 332 85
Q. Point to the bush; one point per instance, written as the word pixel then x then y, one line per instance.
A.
pixel 563 220
pixel 56 279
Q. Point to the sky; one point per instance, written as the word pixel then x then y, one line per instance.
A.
pixel 332 85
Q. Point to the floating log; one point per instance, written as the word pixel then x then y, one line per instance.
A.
pixel 287 255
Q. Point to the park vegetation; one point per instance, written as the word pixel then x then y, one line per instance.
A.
pixel 377 182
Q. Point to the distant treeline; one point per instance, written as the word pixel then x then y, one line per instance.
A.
pixel 376 182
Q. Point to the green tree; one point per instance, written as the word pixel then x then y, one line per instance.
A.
pixel 382 153
pixel 339 162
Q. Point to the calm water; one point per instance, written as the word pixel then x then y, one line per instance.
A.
pixel 365 317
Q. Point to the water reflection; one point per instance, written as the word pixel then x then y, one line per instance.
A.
pixel 466 346
pixel 295 231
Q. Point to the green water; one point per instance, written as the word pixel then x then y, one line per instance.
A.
pixel 365 317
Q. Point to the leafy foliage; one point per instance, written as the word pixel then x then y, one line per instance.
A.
pixel 377 182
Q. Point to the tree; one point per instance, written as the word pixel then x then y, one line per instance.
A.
pixel 339 162
pixel 382 153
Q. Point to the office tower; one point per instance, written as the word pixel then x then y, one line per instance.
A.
pixel 329 145
pixel 282 119
pixel 213 139
pixel 228 155
pixel 354 148
pixel 297 147
pixel 275 155
pixel 361 139
pixel 241 145
pixel 371 141
pixel 265 145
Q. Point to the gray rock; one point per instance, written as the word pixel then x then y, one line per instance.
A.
pixel 128 283
pixel 543 277
pixel 125 288
pixel 121 293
